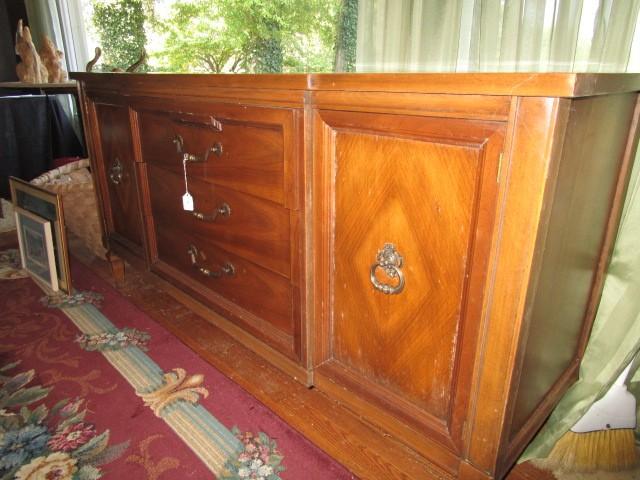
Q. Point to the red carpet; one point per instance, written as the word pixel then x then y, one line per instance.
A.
pixel 82 420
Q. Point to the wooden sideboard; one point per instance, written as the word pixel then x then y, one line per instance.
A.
pixel 427 248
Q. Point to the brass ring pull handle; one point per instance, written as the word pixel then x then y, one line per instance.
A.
pixel 223 210
pixel 227 269
pixel 116 171
pixel 390 261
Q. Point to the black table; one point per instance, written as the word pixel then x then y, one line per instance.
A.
pixel 34 130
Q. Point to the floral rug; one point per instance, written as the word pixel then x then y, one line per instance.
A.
pixel 90 387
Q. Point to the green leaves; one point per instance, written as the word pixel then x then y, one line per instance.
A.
pixel 120 26
pixel 252 36
pixel 13 391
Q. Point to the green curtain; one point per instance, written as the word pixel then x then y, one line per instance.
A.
pixel 532 35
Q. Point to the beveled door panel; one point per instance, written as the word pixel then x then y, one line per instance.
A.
pixel 118 170
pixel 426 190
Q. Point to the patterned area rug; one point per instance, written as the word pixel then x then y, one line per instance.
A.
pixel 90 387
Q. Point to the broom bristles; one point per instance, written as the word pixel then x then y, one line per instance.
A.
pixel 604 450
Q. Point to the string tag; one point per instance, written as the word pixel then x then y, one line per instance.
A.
pixel 187 199
pixel 187 202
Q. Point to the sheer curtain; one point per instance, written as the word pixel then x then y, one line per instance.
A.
pixel 62 21
pixel 498 35
pixel 532 35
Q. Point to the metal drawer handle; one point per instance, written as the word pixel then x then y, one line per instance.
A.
pixel 390 261
pixel 227 269
pixel 116 171
pixel 216 149
pixel 223 210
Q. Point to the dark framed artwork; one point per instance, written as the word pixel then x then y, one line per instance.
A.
pixel 36 248
pixel 48 206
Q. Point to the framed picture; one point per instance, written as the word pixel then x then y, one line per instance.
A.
pixel 36 248
pixel 48 206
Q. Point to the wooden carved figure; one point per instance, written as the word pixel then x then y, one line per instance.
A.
pixel 30 69
pixel 52 58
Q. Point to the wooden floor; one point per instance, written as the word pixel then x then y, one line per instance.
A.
pixel 360 447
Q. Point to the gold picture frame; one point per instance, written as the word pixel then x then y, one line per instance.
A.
pixel 48 206
pixel 36 248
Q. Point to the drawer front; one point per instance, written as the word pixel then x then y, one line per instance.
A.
pixel 403 330
pixel 117 169
pixel 248 157
pixel 241 224
pixel 266 295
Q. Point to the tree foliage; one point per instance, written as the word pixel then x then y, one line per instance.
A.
pixel 120 25
pixel 253 36
pixel 261 36
pixel 198 39
pixel 346 37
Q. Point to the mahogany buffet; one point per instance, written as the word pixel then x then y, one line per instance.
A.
pixel 429 249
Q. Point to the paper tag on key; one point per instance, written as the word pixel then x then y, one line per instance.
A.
pixel 187 202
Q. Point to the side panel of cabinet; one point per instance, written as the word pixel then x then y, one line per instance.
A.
pixel 117 174
pixel 427 186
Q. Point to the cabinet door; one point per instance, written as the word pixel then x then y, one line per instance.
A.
pixel 117 169
pixel 400 333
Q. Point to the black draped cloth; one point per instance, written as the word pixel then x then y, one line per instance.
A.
pixel 34 130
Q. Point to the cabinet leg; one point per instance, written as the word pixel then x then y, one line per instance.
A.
pixel 117 268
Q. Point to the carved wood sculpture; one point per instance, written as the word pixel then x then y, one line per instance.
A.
pixel 131 69
pixel 30 69
pixel 94 60
pixel 52 60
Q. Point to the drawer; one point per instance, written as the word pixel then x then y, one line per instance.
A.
pixel 242 224
pixel 266 295
pixel 246 156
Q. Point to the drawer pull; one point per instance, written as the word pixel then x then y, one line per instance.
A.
pixel 227 269
pixel 224 210
pixel 216 150
pixel 390 261
pixel 116 171
pixel 178 141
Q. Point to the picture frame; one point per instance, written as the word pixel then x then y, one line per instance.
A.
pixel 48 206
pixel 36 248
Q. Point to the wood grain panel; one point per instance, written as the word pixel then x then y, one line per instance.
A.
pixel 537 130
pixel 255 229
pixel 115 141
pixel 481 107
pixel 419 183
pixel 252 159
pixel 286 90
pixel 419 196
pixel 257 290
pixel 521 84
pixel 572 239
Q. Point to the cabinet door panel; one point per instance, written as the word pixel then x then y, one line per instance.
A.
pixel 427 188
pixel 118 170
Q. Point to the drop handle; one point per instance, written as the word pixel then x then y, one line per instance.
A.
pixel 226 270
pixel 389 261
pixel 217 149
pixel 223 210
pixel 116 171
